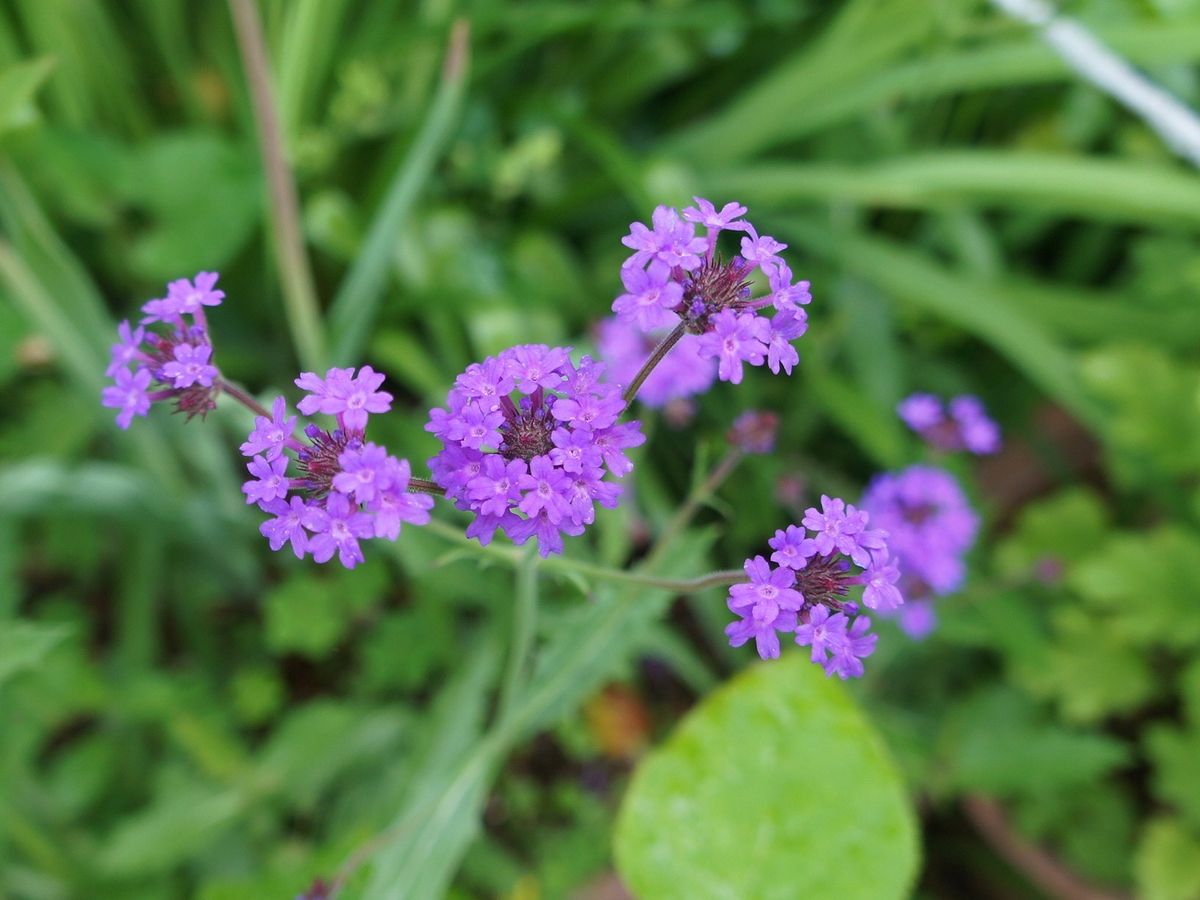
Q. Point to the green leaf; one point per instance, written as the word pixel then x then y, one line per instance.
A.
pixel 1167 864
pixel 998 743
pixel 1147 583
pixel 23 645
pixel 1092 671
pixel 1053 532
pixel 1176 775
pixel 774 786
pixel 18 83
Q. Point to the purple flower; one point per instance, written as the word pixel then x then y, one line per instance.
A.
pixel 532 461
pixel 672 240
pixel 843 529
pixel 822 632
pixel 967 427
pixel 190 366
pixel 930 526
pixel 271 436
pixel 393 504
pixel 673 274
pixel 189 297
pixel 362 471
pixel 175 359
pixel 921 412
pixel 128 395
pixel 879 580
pixel 704 213
pixel 735 338
pixel 848 654
pixel 288 524
pixel 682 373
pixel 762 251
pixel 338 527
pixel 918 619
pixel 768 592
pixel 270 480
pixel 650 296
pixel 349 397
pixel 979 433
pixel 127 349
pixel 818 573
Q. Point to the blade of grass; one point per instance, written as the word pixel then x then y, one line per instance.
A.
pixel 299 293
pixel 310 32
pixel 356 305
pixel 1104 189
pixel 979 307
pixel 785 105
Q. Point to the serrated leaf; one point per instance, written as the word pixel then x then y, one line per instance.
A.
pixel 774 786
pixel 1091 671
pixel 1176 775
pixel 1056 532
pixel 1167 864
pixel 998 743
pixel 1147 582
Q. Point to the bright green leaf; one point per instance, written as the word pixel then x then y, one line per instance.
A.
pixel 775 786
pixel 1167 863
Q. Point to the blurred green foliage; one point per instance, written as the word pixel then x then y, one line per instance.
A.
pixel 184 714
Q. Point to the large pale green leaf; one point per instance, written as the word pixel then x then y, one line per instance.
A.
pixel 775 786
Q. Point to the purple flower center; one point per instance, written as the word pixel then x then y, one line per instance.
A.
pixel 527 429
pixel 715 286
pixel 321 461
pixel 824 580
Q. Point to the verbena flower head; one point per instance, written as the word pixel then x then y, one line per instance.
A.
pixel 828 566
pixel 344 489
pixel 963 424
pixel 682 373
pixel 754 431
pixel 930 526
pixel 168 356
pixel 528 438
pixel 676 275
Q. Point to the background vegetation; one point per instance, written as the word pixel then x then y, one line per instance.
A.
pixel 184 714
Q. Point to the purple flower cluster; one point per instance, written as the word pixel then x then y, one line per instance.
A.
pixel 807 594
pixel 683 372
pixel 930 527
pixel 675 276
pixel 963 424
pixel 528 438
pixel 346 489
pixel 175 363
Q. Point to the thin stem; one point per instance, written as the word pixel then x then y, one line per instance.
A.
pixel 656 356
pixel 695 499
pixel 513 556
pixel 524 626
pixel 242 396
pixel 425 486
pixel 299 294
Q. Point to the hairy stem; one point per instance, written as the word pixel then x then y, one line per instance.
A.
pixel 242 396
pixel 425 486
pixel 656 356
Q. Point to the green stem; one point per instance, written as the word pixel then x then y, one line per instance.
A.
pixel 656 356
pixel 299 293
pixel 242 396
pixel 524 627
pixel 695 499
pixel 513 556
